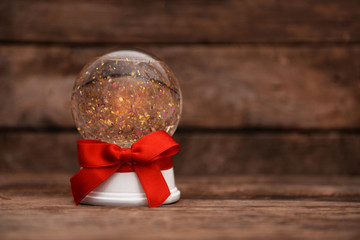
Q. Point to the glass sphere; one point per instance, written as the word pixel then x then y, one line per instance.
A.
pixel 122 96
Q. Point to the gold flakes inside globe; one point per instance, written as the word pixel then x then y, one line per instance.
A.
pixel 125 95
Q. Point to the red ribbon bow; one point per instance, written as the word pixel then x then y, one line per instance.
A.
pixel 147 156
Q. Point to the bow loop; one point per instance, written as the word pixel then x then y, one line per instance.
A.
pixel 100 160
pixel 93 154
pixel 151 147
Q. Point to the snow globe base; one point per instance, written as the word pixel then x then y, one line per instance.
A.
pixel 124 189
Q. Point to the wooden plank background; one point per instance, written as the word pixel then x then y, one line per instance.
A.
pixel 268 86
pixel 180 21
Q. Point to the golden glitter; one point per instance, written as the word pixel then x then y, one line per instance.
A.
pixel 129 103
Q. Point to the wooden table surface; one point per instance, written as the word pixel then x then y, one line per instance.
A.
pixel 38 206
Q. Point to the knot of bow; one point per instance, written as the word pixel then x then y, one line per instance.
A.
pixel 147 157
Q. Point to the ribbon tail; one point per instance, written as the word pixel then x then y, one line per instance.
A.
pixel 153 183
pixel 87 179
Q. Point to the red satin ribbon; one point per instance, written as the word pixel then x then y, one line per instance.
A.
pixel 147 157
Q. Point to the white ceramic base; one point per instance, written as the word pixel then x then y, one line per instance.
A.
pixel 124 189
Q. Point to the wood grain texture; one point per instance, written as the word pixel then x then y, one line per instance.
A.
pixel 159 21
pixel 41 207
pixel 223 86
pixel 290 68
pixel 287 153
pixel 245 187
pixel 202 153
